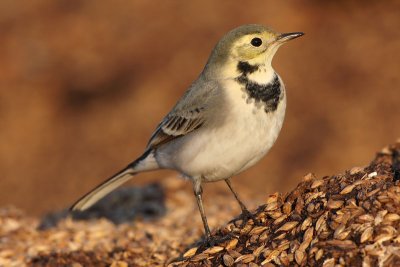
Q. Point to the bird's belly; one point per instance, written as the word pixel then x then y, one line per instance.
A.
pixel 221 151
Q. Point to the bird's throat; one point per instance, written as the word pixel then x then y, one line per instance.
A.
pixel 268 93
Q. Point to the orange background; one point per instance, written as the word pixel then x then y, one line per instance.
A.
pixel 84 83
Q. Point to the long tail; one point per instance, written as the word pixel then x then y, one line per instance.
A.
pixel 144 163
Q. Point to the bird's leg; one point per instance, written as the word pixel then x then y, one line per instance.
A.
pixel 246 213
pixel 198 191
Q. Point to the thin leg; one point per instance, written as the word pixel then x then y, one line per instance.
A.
pixel 197 192
pixel 242 206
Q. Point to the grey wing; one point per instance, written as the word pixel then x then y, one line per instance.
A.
pixel 188 115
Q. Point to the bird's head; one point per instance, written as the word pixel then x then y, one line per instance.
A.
pixel 254 44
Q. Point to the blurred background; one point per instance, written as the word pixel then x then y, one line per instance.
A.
pixel 83 84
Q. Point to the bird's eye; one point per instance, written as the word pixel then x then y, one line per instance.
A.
pixel 256 42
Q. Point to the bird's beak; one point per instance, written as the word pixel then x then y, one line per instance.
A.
pixel 284 37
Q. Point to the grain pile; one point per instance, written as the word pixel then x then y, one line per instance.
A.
pixel 350 219
pixel 153 229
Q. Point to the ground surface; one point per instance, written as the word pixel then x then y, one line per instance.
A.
pixel 349 219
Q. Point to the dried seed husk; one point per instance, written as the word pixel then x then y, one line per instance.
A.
pixel 329 262
pixel 366 218
pixel 317 183
pixel 299 256
pixel 199 257
pixel 383 237
pixel 355 170
pixel 391 217
pixel 288 226
pixel 271 256
pixel 228 260
pixel 287 208
pixel 232 244
pixel 213 250
pixel 347 189
pixel 280 219
pixel 367 234
pixel 271 206
pixel 342 236
pixel 306 223
pixel 321 222
pixel 257 230
pixel 272 198
pixel 339 230
pixel 319 254
pixel 335 204
pixel 258 250
pixel 190 252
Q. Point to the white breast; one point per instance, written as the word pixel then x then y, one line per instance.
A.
pixel 228 146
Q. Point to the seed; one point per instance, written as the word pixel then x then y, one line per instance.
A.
pixel 319 254
pixel 271 206
pixel 306 223
pixel 199 257
pixel 391 217
pixel 281 236
pixel 245 258
pixel 190 252
pixel 382 238
pixel 335 204
pixel 234 253
pixel 308 177
pixel 345 244
pixel 343 235
pixel 257 230
pixel 280 219
pixel 366 218
pixel 275 215
pixel 314 196
pixel 299 256
pixel 299 205
pixel 321 222
pixel 271 256
pixel 329 262
pixel 284 258
pixel 317 183
pixel 373 192
pixel 228 260
pixel 379 217
pixel 258 250
pixel 355 170
pixel 287 208
pixel 117 264
pixel 308 235
pixel 339 230
pixel 272 198
pixel 347 189
pixel 213 250
pixel 310 208
pixel 288 226
pixel 232 244
pixel 284 245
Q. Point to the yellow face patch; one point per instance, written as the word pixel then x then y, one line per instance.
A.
pixel 253 45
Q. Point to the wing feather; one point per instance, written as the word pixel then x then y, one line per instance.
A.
pixel 189 114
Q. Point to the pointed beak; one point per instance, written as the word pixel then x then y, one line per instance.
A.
pixel 284 37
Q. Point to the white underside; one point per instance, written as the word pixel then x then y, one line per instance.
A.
pixel 226 148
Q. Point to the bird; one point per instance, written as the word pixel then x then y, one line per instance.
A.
pixel 224 123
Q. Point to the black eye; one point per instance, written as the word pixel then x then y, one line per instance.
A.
pixel 256 42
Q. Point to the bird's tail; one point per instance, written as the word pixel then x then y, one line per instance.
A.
pixel 144 163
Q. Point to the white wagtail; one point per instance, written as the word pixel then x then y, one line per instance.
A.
pixel 225 122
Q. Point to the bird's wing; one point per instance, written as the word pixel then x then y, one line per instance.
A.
pixel 190 113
